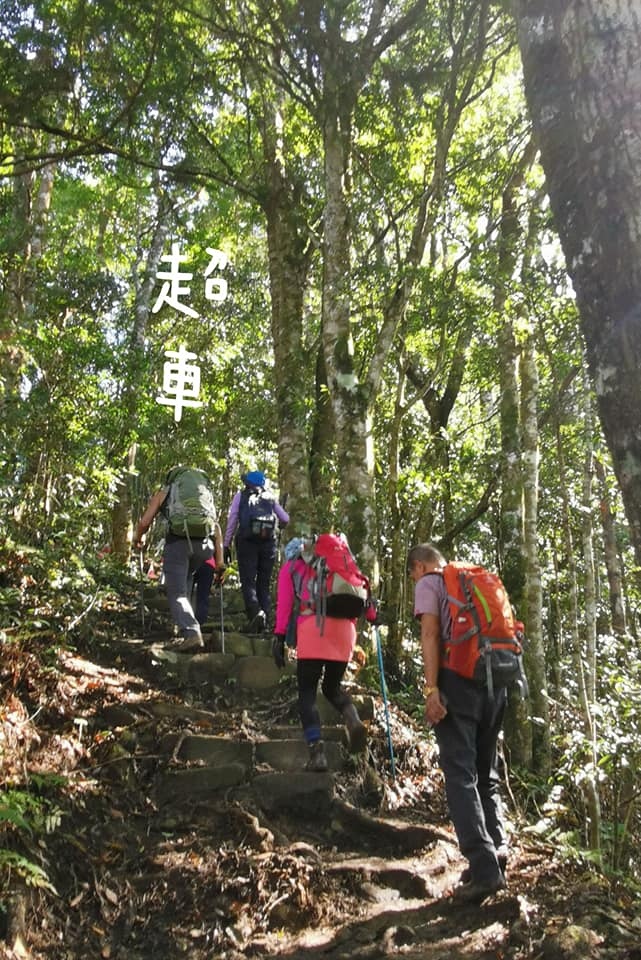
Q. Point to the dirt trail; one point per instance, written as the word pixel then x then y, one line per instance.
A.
pixel 158 855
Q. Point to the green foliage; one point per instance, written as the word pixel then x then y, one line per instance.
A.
pixel 31 812
pixel 27 815
pixel 126 124
pixel 12 863
pixel 49 592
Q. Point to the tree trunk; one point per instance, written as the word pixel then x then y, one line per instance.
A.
pixel 534 656
pixel 511 551
pixel 587 535
pixel 395 577
pixel 143 281
pixel 583 85
pixel 288 266
pixel 322 453
pixel 612 562
pixel 589 782
pixel 349 398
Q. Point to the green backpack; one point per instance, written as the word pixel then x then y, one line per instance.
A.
pixel 189 507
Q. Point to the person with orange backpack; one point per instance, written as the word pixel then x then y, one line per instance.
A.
pixel 320 595
pixel 472 650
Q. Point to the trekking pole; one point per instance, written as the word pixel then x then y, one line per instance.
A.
pixel 385 703
pixel 222 620
pixel 141 580
pixel 280 533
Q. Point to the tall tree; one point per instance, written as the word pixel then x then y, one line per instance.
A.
pixel 583 84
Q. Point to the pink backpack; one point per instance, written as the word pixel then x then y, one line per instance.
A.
pixel 336 586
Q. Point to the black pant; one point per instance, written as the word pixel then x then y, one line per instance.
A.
pixel 308 673
pixel 255 565
pixel 468 757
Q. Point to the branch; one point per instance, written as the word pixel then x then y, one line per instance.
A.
pixel 481 507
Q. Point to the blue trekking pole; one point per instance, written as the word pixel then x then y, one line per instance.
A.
pixel 385 703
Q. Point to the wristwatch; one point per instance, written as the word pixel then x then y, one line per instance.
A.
pixel 428 691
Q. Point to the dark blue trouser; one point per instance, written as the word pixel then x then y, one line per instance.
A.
pixel 255 565
pixel 468 758
pixel 308 673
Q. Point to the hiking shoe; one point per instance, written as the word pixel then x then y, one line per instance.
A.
pixel 317 762
pixel 466 875
pixel 476 892
pixel 191 641
pixel 356 730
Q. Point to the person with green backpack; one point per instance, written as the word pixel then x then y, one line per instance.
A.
pixel 193 536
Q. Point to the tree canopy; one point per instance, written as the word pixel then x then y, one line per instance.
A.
pixel 373 293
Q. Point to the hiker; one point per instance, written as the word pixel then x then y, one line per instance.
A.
pixel 253 517
pixel 466 719
pixel 323 649
pixel 193 536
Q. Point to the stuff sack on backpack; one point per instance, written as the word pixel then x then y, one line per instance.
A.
pixel 486 640
pixel 189 508
pixel 337 588
pixel 256 517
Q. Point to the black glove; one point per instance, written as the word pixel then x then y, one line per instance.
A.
pixel 227 555
pixel 278 650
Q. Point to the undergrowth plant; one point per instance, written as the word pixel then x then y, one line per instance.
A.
pixel 26 816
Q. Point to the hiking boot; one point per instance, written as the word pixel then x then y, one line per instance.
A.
pixel 466 875
pixel 317 762
pixel 356 730
pixel 257 623
pixel 476 891
pixel 192 640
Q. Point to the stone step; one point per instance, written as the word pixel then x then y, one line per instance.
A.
pixel 333 733
pixel 286 755
pixel 192 783
pixel 189 668
pixel 290 756
pixel 209 750
pixel 251 672
pixel 239 644
pixel 228 763
pixel 299 794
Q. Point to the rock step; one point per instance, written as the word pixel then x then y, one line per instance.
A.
pixel 417 878
pixel 211 751
pixel 251 671
pixel 295 790
pixel 331 732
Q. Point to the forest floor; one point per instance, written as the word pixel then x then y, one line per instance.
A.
pixel 220 877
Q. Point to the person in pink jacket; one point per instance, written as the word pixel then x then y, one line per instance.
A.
pixel 321 652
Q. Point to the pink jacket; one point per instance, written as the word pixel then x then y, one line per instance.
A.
pixel 338 637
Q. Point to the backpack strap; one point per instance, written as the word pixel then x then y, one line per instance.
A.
pixel 321 594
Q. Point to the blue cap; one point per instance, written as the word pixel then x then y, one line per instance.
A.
pixel 293 548
pixel 255 478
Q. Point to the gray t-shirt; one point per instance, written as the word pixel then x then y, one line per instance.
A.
pixel 430 596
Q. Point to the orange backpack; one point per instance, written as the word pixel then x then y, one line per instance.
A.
pixel 486 640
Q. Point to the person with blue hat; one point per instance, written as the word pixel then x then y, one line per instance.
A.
pixel 254 518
